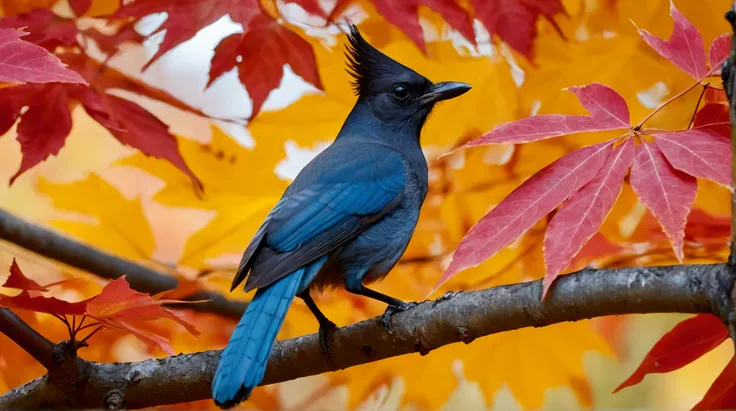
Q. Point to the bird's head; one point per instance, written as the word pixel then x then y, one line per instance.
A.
pixel 394 92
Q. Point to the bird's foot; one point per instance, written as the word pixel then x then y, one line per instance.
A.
pixel 393 309
pixel 326 331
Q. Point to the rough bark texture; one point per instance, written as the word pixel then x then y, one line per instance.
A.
pixel 452 318
pixel 49 244
pixel 728 75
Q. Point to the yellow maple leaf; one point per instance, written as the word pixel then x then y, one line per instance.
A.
pixel 108 219
pixel 317 117
pixel 240 186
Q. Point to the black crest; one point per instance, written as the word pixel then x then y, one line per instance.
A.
pixel 368 66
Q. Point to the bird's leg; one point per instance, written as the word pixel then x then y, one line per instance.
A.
pixel 394 304
pixel 326 327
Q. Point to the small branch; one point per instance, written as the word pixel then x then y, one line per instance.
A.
pixel 27 338
pixel 452 318
pixel 49 244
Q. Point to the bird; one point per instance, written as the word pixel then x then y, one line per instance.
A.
pixel 344 221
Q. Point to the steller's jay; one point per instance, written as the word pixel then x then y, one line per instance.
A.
pixel 344 221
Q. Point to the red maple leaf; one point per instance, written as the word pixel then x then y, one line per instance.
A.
pixel 722 393
pixel 699 152
pixel 714 117
pixel 263 50
pixel 41 304
pixel 119 306
pixel 45 125
pixel 581 216
pixel 515 21
pixel 526 205
pixel 688 341
pixel 31 299
pixel 668 193
pixel 607 108
pixel 45 28
pixel 19 281
pixel 684 47
pixel 187 17
pixel 116 306
pixel 718 52
pixel 404 14
pixel 25 62
pixel 663 175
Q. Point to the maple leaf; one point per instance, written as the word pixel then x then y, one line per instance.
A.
pixel 515 21
pixel 36 302
pixel 581 216
pixel 47 106
pixel 722 393
pixel 607 108
pixel 686 342
pixel 45 28
pixel 44 127
pixel 714 117
pixel 684 47
pixel 119 306
pixel 19 281
pixel 264 49
pixel 24 62
pixel 718 52
pixel 240 208
pixel 668 193
pixel 698 152
pixel 187 17
pixel 129 237
pixel 526 205
pixel 41 304
pixel 404 14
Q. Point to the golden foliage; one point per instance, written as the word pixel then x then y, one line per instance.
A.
pixel 242 184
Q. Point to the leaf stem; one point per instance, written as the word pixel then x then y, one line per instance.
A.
pixel 92 333
pixel 695 112
pixel 666 103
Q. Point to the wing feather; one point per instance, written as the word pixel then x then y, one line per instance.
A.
pixel 344 197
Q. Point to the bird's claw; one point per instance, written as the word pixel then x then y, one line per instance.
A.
pixel 393 309
pixel 326 330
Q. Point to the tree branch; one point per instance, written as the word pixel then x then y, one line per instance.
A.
pixel 49 244
pixel 451 318
pixel 728 75
pixel 29 339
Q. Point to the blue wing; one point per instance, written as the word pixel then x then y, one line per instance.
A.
pixel 344 190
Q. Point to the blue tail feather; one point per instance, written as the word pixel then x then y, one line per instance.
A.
pixel 242 363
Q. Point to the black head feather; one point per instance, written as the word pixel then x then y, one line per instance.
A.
pixel 370 67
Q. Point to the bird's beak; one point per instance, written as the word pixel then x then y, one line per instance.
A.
pixel 444 91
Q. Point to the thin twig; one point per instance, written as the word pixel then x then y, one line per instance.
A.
pixel 697 105
pixel 84 340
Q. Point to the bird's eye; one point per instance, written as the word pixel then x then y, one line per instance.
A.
pixel 401 92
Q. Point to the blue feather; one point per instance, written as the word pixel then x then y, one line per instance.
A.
pixel 242 363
